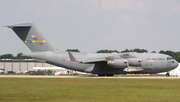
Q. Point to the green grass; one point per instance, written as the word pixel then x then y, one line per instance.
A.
pixel 89 90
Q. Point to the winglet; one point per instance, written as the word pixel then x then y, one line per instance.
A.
pixel 71 56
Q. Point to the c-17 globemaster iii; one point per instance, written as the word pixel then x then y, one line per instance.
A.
pixel 97 63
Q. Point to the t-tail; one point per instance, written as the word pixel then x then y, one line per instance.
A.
pixel 30 35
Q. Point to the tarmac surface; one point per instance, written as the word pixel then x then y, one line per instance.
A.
pixel 121 77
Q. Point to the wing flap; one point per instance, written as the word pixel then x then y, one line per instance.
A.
pixel 92 61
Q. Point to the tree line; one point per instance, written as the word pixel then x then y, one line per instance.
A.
pixel 175 55
pixel 10 56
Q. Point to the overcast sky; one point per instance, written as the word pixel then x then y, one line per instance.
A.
pixel 91 25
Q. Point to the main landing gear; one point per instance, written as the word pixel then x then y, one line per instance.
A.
pixel 106 75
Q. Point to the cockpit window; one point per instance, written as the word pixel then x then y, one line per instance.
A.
pixel 169 58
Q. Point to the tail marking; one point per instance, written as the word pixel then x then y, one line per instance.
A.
pixel 34 41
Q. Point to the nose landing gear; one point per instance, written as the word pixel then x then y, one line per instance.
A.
pixel 167 74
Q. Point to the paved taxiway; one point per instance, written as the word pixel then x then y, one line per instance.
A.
pixel 128 77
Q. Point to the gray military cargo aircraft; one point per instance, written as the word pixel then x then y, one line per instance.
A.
pixel 102 64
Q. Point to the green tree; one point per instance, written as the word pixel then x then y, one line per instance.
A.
pixel 107 51
pixel 7 56
pixel 153 52
pixel 135 50
pixel 140 50
pixel 19 56
pixel 127 50
pixel 10 56
pixel 72 50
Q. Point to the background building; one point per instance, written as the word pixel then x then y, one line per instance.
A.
pixel 25 65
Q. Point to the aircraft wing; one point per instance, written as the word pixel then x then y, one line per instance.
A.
pixel 91 60
pixel 103 58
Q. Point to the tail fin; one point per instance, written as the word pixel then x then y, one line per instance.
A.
pixel 30 35
pixel 71 56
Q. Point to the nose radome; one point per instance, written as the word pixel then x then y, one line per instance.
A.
pixel 176 63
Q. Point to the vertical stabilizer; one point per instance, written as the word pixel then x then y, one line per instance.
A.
pixel 71 56
pixel 30 35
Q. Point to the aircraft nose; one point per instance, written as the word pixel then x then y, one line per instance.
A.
pixel 175 64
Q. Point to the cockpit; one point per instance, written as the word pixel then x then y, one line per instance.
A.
pixel 169 58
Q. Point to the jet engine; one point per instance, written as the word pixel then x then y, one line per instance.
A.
pixel 118 63
pixel 135 62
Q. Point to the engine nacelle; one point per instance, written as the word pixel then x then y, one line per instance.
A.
pixel 118 63
pixel 135 62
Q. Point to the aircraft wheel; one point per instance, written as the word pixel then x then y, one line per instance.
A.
pixel 167 74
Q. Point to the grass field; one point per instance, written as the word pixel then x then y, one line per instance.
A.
pixel 89 90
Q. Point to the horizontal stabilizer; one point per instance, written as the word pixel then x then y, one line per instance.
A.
pixel 18 25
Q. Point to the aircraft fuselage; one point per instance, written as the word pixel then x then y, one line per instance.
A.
pixel 150 62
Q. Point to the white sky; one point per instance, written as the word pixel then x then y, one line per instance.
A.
pixel 92 25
